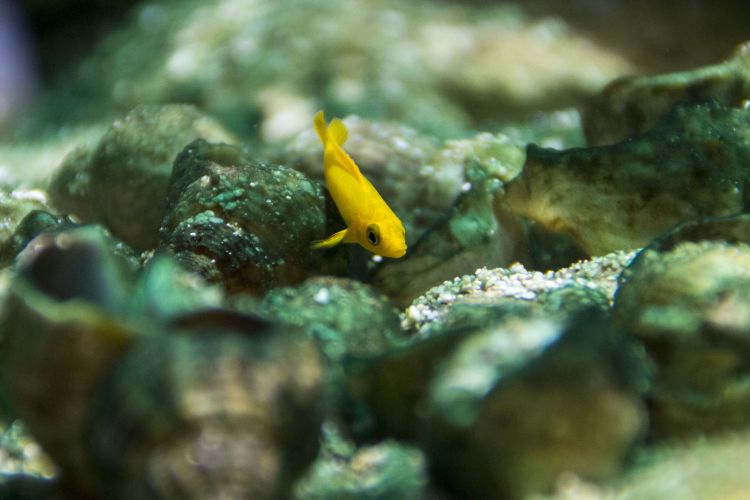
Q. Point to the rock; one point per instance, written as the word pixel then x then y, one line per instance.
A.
pixel 31 160
pixel 166 291
pixel 246 225
pixel 685 297
pixel 22 455
pixel 489 399
pixel 509 427
pixel 182 401
pixel 15 204
pixel 23 487
pixel 31 226
pixel 63 327
pixel 631 105
pixel 477 64
pixel 384 471
pixel 554 294
pixel 706 467
pixel 227 406
pixel 23 215
pixel 445 65
pixel 559 129
pixel 497 156
pixel 122 181
pixel 350 320
pixel 673 35
pixel 550 250
pixel 621 196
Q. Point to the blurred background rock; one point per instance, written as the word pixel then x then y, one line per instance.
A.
pixel 259 66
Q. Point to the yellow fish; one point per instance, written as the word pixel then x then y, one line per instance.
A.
pixel 369 220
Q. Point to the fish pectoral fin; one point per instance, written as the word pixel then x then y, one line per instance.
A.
pixel 331 241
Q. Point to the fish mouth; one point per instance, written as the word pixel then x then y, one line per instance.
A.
pixel 393 253
pixel 400 252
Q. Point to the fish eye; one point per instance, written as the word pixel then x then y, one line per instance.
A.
pixel 373 234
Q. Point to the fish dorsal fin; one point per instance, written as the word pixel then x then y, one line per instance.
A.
pixel 338 131
pixel 345 163
pixel 332 137
pixel 319 122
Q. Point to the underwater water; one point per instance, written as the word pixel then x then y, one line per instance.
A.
pixel 509 260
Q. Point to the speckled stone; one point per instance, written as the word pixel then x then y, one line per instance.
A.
pixel 594 280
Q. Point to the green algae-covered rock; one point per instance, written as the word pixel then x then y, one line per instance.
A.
pixel 495 155
pixel 224 406
pixel 131 399
pixel 559 129
pixel 507 400
pixel 631 105
pixel 63 328
pixel 244 224
pixel 121 181
pixel 705 467
pixel 23 457
pixel 686 297
pixel 554 399
pixel 692 164
pixel 165 291
pixel 350 320
pixel 15 204
pixel 384 471
pixel 31 226
pixel 352 324
pixel 23 214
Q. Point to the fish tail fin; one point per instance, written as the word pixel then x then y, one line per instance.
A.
pixel 338 131
pixel 331 241
pixel 319 121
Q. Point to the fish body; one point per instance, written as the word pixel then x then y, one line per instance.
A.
pixel 369 220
